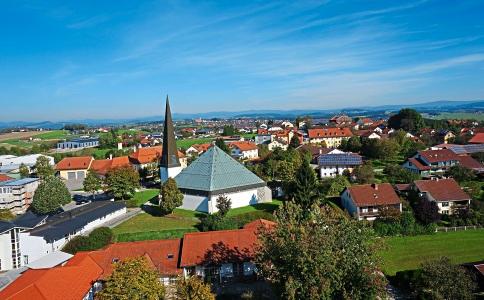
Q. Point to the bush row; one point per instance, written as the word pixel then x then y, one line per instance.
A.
pixel 97 239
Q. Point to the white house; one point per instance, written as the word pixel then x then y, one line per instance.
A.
pixel 446 193
pixel 16 195
pixel 244 150
pixel 333 164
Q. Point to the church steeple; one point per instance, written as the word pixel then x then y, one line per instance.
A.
pixel 169 156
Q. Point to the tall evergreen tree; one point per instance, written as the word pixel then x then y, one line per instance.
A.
pixel 294 143
pixel 305 187
pixel 171 197
pixel 222 145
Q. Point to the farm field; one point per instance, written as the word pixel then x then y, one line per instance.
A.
pixel 186 143
pixel 460 116
pixel 407 253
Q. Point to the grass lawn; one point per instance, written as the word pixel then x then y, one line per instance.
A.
pixel 406 253
pixel 53 135
pixel 267 207
pixel 186 143
pixel 142 197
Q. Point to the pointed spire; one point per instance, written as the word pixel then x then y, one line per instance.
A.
pixel 169 156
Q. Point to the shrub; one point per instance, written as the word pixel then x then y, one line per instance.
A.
pixel 131 203
pixel 97 239
pixel 216 222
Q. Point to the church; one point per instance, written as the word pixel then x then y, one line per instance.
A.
pixel 211 175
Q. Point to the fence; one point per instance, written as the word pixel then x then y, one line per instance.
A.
pixel 458 228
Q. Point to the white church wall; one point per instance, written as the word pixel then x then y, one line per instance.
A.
pixel 193 202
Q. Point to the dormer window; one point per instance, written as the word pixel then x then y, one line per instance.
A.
pixel 170 256
pixel 115 260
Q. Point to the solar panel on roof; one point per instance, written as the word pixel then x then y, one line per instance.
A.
pixel 339 159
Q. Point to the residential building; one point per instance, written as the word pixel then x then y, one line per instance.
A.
pixel 431 162
pixel 198 149
pixel 478 138
pixel 16 195
pixel 330 136
pixel 79 143
pixel 216 173
pixel 244 150
pixel 366 201
pixel 340 120
pixel 102 166
pixel 333 164
pixel 277 143
pixel 446 193
pixel 149 157
pixel 263 139
pixel 31 237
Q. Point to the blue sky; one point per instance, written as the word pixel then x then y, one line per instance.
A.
pixel 62 60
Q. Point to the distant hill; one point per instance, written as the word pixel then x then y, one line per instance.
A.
pixel 381 110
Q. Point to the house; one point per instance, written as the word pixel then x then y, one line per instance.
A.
pixel 143 158
pixel 228 253
pixel 80 143
pixel 102 166
pixel 447 193
pixel 478 138
pixel 333 164
pixel 446 135
pixel 365 122
pixel 366 201
pixel 16 195
pixel 461 149
pixel 369 134
pixel 341 120
pixel 331 136
pixel 216 173
pixel 244 150
pixel 198 149
pixel 431 162
pixel 73 170
pixel 4 177
pixel 277 143
pixel 263 139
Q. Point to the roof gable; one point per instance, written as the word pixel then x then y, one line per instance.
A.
pixel 442 189
pixel 75 163
pixel 373 194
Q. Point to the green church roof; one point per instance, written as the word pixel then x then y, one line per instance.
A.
pixel 216 172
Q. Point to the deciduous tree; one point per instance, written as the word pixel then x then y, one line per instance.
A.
pixel 171 197
pixel 294 143
pixel 132 279
pixel 51 194
pixel 222 145
pixel 43 167
pixel 407 119
pixel 92 183
pixel 323 255
pixel 223 205
pixel 364 174
pixel 461 173
pixel 426 212
pixel 24 171
pixel 193 288
pixel 122 182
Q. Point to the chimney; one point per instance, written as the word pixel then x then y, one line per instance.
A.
pixel 110 156
pixel 374 186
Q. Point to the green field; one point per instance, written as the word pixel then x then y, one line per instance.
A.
pixel 407 253
pixel 53 135
pixel 267 207
pixel 186 143
pixel 460 116
pixel 144 196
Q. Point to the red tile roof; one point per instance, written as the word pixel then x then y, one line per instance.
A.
pixel 329 132
pixel 469 162
pixel 480 268
pixel 202 147
pixel 103 166
pixel 418 164
pixel 373 194
pixel 243 146
pixel 477 139
pixel 434 156
pixel 162 254
pixel 74 163
pixel 4 177
pixel 78 275
pixel 149 155
pixel 442 189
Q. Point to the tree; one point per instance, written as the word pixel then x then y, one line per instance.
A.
pixel 132 278
pixel 24 171
pixel 461 173
pixel 334 186
pixel 426 212
pixel 122 182
pixel 353 144
pixel 229 130
pixel 364 174
pixel 324 255
pixel 294 143
pixel 398 174
pixel 305 190
pixel 223 205
pixel 193 288
pixel 51 194
pixel 171 197
pixel 440 279
pixel 43 167
pixel 6 215
pixel 407 119
pixel 222 145
pixel 92 183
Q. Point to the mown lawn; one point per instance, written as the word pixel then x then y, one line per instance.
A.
pixel 407 253
pixel 144 196
pixel 53 135
pixel 186 143
pixel 267 207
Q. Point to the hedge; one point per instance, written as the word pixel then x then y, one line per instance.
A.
pixel 97 239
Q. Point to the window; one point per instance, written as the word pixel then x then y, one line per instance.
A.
pixel 170 256
pixel 445 204
pixel 26 259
